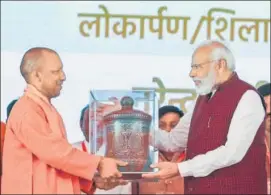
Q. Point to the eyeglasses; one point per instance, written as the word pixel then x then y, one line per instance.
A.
pixel 200 65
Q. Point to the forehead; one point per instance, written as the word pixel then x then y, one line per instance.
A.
pixel 201 55
pixel 170 116
pixel 50 61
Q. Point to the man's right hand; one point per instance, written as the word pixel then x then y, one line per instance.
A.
pixel 108 168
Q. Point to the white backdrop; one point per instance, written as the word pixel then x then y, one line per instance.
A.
pixel 115 62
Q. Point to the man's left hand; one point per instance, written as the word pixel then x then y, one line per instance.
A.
pixel 166 170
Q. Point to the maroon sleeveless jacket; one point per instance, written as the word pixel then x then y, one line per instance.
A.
pixel 209 128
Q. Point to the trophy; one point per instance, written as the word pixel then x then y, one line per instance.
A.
pixel 125 131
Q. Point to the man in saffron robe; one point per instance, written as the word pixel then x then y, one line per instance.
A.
pixel 224 133
pixel 37 158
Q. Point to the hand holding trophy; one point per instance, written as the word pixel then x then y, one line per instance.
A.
pixel 108 168
pixel 109 175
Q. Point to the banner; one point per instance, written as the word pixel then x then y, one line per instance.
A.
pixel 129 45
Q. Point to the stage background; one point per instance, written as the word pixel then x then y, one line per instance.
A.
pixel 119 62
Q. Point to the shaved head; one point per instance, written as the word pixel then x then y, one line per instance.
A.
pixel 42 68
pixel 32 59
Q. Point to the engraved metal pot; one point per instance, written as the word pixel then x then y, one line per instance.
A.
pixel 128 135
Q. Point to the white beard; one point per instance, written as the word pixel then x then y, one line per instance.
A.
pixel 206 84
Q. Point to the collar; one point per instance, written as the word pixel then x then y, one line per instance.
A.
pixel 227 83
pixel 36 92
pixel 221 86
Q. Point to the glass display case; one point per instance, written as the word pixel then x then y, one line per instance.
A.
pixel 122 126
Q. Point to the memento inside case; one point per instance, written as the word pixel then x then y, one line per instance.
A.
pixel 128 136
pixel 124 133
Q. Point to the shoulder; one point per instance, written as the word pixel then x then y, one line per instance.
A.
pixel 246 85
pixel 247 93
pixel 252 96
pixel 251 102
pixel 25 107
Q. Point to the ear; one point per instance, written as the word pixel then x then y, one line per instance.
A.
pixel 37 75
pixel 221 65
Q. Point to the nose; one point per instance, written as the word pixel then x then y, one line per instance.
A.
pixel 63 76
pixel 192 73
pixel 167 128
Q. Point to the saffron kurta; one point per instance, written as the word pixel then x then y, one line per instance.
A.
pixel 37 158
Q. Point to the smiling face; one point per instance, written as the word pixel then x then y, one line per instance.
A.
pixel 49 75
